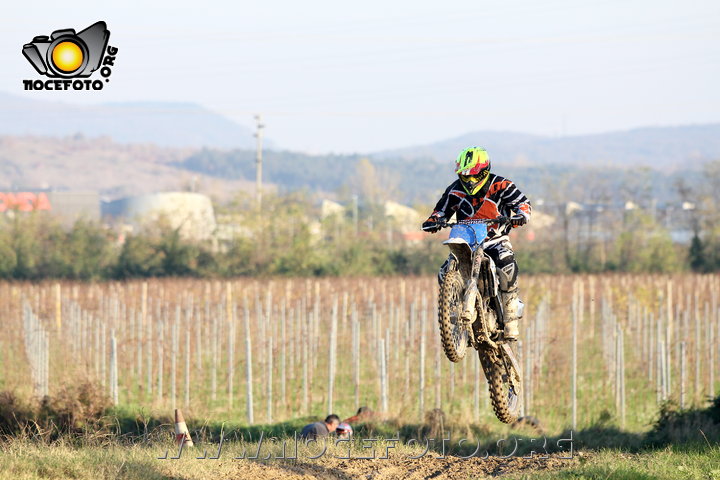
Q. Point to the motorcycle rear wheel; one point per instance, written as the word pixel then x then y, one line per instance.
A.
pixel 505 400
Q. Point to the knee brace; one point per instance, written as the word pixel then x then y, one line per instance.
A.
pixel 507 275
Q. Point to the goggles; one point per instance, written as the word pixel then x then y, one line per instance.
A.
pixel 475 178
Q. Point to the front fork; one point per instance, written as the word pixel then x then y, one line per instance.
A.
pixel 469 312
pixel 449 264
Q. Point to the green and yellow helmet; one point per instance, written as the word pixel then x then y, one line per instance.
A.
pixel 473 169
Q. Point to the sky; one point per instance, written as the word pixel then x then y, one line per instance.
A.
pixel 346 77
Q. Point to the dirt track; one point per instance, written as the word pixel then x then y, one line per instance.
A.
pixel 397 467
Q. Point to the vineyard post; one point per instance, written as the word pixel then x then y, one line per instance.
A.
pixel 103 364
pixel 139 349
pixel 716 309
pixel 591 287
pixel 711 360
pixel 304 334
pixel 314 327
pixel 665 372
pixel 150 359
pixel 333 353
pixel 526 348
pixel 682 374
pixel 647 342
pixel 207 324
pixel 660 357
pixel 622 377
pixel 652 355
pixel 173 358
pixel 658 366
pixel 316 332
pixel 248 364
pixel 574 359
pixel 697 348
pixel 522 357
pixel 270 378
pixel 190 315
pixel 618 373
pixel 477 389
pixel 387 362
pixel 161 359
pixel 283 346
pixel 113 368
pixel 452 380
pixel 438 376
pixel 266 323
pixel 356 353
pixel 421 380
pixel 375 329
pixel 213 372
pixel 396 333
pixel 665 385
pixel 46 360
pixel 228 302
pixel 187 365
pixel 292 325
pixel 530 354
pixel 143 302
pixel 410 333
pixel 383 375
pixel 231 351
pixel 46 363
pixel 96 334
pixel 58 308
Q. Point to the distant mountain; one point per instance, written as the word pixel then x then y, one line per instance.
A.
pixel 657 147
pixel 77 163
pixel 163 124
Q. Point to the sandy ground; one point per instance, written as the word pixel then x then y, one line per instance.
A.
pixel 395 467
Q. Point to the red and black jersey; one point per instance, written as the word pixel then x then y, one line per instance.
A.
pixel 499 196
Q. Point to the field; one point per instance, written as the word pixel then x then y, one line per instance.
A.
pixel 601 355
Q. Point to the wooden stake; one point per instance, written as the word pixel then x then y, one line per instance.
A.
pixel 333 353
pixel 248 365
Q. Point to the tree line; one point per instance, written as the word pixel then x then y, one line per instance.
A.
pixel 289 238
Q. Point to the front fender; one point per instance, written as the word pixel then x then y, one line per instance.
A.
pixel 461 250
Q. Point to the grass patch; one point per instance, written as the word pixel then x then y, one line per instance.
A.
pixel 671 463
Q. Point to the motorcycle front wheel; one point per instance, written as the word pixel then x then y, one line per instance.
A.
pixel 453 332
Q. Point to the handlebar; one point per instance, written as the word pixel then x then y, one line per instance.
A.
pixel 501 220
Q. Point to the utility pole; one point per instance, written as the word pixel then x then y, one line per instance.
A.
pixel 258 160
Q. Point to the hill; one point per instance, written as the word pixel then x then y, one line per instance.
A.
pixel 161 123
pixel 656 147
pixel 99 164
pixel 115 170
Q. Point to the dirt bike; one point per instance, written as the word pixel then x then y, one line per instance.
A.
pixel 470 313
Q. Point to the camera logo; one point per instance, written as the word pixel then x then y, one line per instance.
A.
pixel 68 55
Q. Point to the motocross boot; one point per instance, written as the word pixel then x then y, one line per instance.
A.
pixel 513 309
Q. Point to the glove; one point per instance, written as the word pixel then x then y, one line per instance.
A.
pixel 518 220
pixel 432 224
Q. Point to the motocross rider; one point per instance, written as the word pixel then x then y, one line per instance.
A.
pixel 479 194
